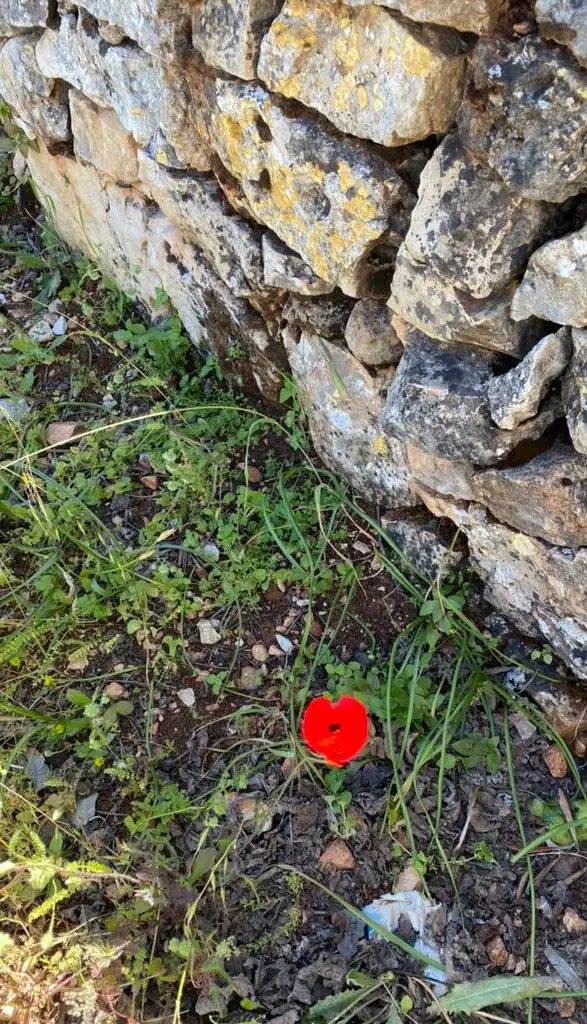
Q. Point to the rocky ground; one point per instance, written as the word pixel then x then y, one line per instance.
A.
pixel 178 575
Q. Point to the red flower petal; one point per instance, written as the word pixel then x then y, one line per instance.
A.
pixel 336 731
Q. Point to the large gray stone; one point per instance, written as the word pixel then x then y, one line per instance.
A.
pixel 430 303
pixel 14 410
pixel 554 286
pixel 541 587
pixel 328 198
pixel 161 27
pixel 438 402
pixel 525 113
pixel 330 57
pixel 228 33
pixel 478 16
pixel 565 21
pixel 283 268
pixel 344 405
pixel 574 392
pixel 39 103
pixel 370 335
pixel 469 226
pixel 196 205
pixel 516 396
pixel 122 77
pixel 545 497
pixel 22 15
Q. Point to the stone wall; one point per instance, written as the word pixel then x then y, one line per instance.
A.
pixel 387 198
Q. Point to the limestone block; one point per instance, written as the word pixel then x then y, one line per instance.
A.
pixel 469 226
pixel 565 22
pixel 283 268
pixel 525 113
pixel 574 392
pixel 161 27
pixel 478 16
pixel 554 286
pixel 196 205
pixel 327 198
pixel 516 396
pixel 371 73
pixel 22 15
pixel 228 33
pixel 124 78
pixel 38 102
pixel 344 405
pixel 370 334
pixel 446 476
pixel 438 402
pixel 546 497
pixel 100 139
pixel 541 587
pixel 430 303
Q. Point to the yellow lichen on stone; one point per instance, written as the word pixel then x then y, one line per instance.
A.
pixel 362 96
pixel 380 445
pixel 417 59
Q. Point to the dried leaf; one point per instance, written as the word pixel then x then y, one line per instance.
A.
pixel 85 810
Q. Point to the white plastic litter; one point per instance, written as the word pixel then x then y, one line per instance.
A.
pixel 420 912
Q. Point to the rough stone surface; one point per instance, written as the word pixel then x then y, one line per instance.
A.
pixel 421 545
pixel 565 22
pixel 100 139
pixel 554 286
pixel 327 316
pixel 525 112
pixel 446 476
pixel 370 335
pixel 478 16
pixel 438 401
pixel 142 251
pixel 546 497
pixel 541 587
pixel 434 306
pixel 22 15
pixel 283 268
pixel 574 392
pixel 39 103
pixel 196 205
pixel 14 410
pixel 328 199
pixel 160 27
pixel 228 33
pixel 369 72
pixel 469 226
pixel 516 396
pixel 124 78
pixel 344 408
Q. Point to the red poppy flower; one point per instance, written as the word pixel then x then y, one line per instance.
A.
pixel 337 731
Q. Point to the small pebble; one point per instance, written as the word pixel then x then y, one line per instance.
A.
pixel 573 923
pixel 285 644
pixel 41 331
pixel 250 677
pixel 259 653
pixel 254 475
pixel 337 856
pixel 408 880
pixel 60 327
pixel 114 691
pixel 187 697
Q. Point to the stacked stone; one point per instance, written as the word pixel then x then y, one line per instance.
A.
pixel 386 198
